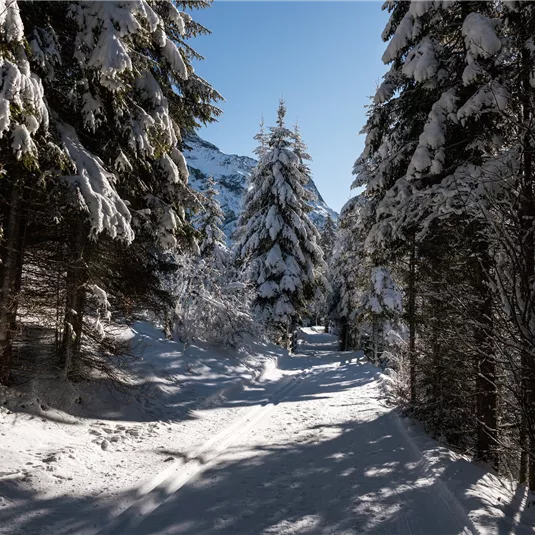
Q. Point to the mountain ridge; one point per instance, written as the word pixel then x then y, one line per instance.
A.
pixel 231 172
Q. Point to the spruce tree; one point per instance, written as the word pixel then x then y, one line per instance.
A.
pixel 139 92
pixel 114 93
pixel 209 222
pixel 26 154
pixel 278 242
pixel 300 149
pixel 344 264
pixel 328 236
pixel 450 210
pixel 318 302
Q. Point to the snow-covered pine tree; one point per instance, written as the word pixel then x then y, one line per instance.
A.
pixel 137 90
pixel 395 118
pixel 317 306
pixel 212 240
pixel 518 234
pixel 344 274
pixel 328 236
pixel 25 155
pixel 277 240
pixel 212 304
pixel 425 182
pixel 493 186
pixel 120 91
pixel 379 306
pixel 300 149
pixel 461 119
pixel 327 241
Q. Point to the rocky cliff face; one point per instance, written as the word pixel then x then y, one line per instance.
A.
pixel 231 173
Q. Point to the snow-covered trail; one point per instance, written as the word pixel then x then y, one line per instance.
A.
pixel 328 458
pixel 318 452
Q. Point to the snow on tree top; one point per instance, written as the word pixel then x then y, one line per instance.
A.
pixel 231 173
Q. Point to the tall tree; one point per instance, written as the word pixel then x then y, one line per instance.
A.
pixel 24 147
pixel 344 270
pixel 438 53
pixel 277 240
pixel 120 91
pixel 328 236
pixel 212 240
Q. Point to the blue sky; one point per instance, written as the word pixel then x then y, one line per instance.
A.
pixel 323 58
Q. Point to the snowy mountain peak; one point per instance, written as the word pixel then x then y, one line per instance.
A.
pixel 230 173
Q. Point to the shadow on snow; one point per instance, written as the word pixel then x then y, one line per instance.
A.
pixel 361 478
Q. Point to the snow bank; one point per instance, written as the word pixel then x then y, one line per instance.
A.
pixel 492 504
pixel 61 440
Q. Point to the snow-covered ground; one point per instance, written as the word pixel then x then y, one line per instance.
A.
pixel 317 451
pixel 62 446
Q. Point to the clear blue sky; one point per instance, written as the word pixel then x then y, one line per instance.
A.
pixel 324 58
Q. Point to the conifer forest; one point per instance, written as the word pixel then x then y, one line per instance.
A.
pixel 193 342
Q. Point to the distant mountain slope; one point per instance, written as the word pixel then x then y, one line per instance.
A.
pixel 231 173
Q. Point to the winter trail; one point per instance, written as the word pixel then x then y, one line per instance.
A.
pixel 318 452
pixel 322 456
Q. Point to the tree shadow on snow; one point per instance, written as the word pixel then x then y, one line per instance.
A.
pixel 166 383
pixel 163 383
pixel 350 478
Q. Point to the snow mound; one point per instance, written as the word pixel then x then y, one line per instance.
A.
pixel 92 439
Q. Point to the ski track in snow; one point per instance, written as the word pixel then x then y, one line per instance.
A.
pixel 318 452
pixel 331 459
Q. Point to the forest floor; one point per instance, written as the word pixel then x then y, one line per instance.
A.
pixel 309 446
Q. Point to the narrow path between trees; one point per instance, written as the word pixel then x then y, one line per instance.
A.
pixel 318 452
pixel 323 455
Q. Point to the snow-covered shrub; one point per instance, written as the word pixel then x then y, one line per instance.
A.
pixel 211 306
pixel 212 303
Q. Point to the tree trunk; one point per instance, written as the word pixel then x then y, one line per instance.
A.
pixel 375 348
pixel 527 463
pixel 412 319
pixel 343 334
pixel 11 255
pixel 436 349
pixel 487 396
pixel 74 306
pixel 527 219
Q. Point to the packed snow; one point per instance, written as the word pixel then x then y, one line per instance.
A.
pixel 316 450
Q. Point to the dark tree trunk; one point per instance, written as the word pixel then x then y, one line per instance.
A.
pixel 75 298
pixel 10 277
pixel 412 319
pixel 344 332
pixel 527 219
pixel 487 395
pixel 375 337
pixel 436 349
